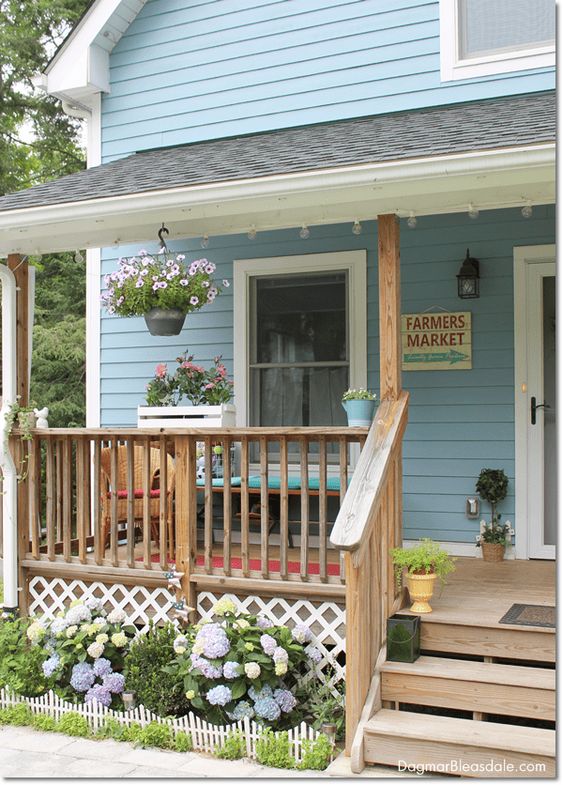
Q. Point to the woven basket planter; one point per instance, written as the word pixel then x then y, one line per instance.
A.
pixel 493 551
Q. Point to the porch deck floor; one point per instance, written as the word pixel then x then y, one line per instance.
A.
pixel 479 593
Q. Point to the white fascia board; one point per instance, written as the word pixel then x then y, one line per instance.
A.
pixel 441 184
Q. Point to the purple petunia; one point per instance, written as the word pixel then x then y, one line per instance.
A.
pixel 114 682
pixel 98 693
pixel 82 677
pixel 194 300
pixel 219 696
pixel 102 666
pixel 286 700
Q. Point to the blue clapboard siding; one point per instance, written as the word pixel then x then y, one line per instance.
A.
pixel 460 421
pixel 189 70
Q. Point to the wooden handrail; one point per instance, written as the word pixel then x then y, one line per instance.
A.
pixel 364 494
pixel 254 432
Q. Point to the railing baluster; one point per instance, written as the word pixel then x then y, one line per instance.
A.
pixel 284 508
pixel 227 506
pixel 208 508
pixel 81 503
pixel 147 504
pixel 244 506
pixel 50 494
pixel 264 509
pixel 304 560
pixel 114 502
pixel 343 468
pixel 98 489
pixel 130 480
pixel 67 498
pixel 322 510
pixel 59 480
pixel 34 490
pixel 163 535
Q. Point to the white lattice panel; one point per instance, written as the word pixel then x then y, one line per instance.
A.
pixel 327 621
pixel 48 596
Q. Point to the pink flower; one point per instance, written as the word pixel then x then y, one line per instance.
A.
pixel 194 300
pixel 209 386
pixel 161 370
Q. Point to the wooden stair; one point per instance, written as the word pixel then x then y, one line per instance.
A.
pixel 457 707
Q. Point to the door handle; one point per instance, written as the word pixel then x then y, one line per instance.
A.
pixel 534 407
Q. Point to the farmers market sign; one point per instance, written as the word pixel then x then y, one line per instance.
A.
pixel 436 341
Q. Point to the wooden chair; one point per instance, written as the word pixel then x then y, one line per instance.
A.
pixel 138 472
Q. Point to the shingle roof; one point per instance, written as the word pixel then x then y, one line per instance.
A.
pixel 481 125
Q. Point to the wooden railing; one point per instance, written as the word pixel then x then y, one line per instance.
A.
pixel 92 501
pixel 368 525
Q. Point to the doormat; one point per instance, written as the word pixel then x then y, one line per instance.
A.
pixel 530 615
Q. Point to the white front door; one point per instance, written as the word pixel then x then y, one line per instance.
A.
pixel 535 419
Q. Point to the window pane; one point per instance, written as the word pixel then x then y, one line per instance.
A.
pixel 489 26
pixel 298 396
pixel 300 318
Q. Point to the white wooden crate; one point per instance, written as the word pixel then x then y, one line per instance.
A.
pixel 222 416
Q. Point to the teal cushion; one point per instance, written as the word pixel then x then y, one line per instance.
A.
pixel 294 483
pixel 218 482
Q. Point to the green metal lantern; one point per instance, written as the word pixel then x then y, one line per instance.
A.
pixel 403 638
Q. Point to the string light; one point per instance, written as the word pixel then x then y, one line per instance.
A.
pixel 304 232
pixel 411 220
pixel 252 233
pixel 527 210
pixel 472 211
pixel 357 227
pixel 205 241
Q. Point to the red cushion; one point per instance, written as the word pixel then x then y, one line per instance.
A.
pixel 138 493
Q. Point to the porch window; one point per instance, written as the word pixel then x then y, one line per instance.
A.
pixel 482 37
pixel 299 349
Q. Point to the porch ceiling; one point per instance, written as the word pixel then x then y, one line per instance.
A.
pixel 497 153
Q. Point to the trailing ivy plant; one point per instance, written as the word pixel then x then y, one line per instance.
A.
pixel 423 559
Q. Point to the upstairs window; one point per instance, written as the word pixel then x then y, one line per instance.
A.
pixel 485 37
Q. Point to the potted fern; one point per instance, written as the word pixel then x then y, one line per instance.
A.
pixel 492 486
pixel 424 563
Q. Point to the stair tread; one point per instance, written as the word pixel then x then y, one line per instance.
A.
pixel 467 670
pixel 470 733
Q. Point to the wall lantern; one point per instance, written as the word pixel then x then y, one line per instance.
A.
pixel 403 638
pixel 468 278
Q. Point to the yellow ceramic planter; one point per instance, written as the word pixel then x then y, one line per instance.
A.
pixel 421 589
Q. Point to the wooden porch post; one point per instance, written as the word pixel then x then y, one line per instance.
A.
pixel 389 306
pixel 20 268
pixel 186 514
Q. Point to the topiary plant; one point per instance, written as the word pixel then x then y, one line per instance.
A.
pixel 492 486
pixel 147 674
pixel 425 558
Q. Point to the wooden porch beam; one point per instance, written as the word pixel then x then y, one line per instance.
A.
pixel 20 268
pixel 389 306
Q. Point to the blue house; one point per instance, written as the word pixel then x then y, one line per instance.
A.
pixel 297 144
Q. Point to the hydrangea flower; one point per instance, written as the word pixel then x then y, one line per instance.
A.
pixel 114 682
pixel 95 650
pixel 98 693
pixel 231 670
pixel 116 616
pixel 35 632
pixel 223 606
pixel 242 624
pixel 58 626
pixel 263 622
pixel 267 708
pixel 102 638
pixel 286 700
pixel 102 666
pixel 82 677
pixel 205 667
pixel 180 644
pixel 119 639
pixel 252 670
pixel 280 668
pixel 314 654
pixel 265 692
pixel 213 641
pixel 78 614
pixel 51 665
pixel 219 696
pixel 269 644
pixel 94 604
pixel 72 630
pixel 301 633
pixel 242 709
pixel 280 655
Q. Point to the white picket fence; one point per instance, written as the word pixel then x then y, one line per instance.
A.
pixel 205 737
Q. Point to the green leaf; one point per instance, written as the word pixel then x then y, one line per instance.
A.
pixel 238 688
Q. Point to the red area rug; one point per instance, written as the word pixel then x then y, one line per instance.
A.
pixel 293 567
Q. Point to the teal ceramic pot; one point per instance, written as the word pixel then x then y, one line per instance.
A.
pixel 360 413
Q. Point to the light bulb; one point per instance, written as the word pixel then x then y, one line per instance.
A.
pixel 527 211
pixel 304 232
pixel 252 233
pixel 357 227
pixel 205 241
pixel 411 221
pixel 473 212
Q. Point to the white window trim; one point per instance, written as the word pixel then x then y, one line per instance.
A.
pixel 354 262
pixel 453 68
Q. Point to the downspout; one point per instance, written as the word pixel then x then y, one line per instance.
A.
pixel 9 472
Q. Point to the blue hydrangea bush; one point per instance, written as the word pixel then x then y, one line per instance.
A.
pixel 86 649
pixel 240 665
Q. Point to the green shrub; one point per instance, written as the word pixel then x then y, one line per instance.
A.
pixel 273 750
pixel 183 742
pixel 156 735
pixel 73 724
pixel 424 558
pixel 44 722
pixel 19 714
pixel 111 729
pixel 132 733
pixel 316 754
pixel 145 672
pixel 323 705
pixel 233 748
pixel 20 662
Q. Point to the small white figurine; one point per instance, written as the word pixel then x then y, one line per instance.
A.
pixel 41 415
pixel 200 472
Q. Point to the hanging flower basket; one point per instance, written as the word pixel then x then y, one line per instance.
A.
pixel 162 287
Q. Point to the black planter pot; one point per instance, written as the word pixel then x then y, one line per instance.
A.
pixel 165 321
